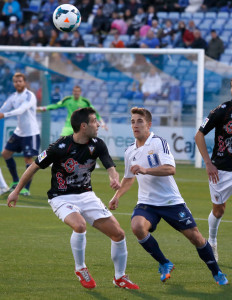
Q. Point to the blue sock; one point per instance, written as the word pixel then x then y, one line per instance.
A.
pixel 12 168
pixel 152 247
pixel 27 186
pixel 206 254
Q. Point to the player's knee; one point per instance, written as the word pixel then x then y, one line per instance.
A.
pixel 79 227
pixel 197 239
pixel 219 212
pixel 137 229
pixel 119 235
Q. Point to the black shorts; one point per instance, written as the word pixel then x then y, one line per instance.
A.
pixel 178 216
pixel 29 145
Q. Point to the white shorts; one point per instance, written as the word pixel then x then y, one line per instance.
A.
pixel 87 204
pixel 222 190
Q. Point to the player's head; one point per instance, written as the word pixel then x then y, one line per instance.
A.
pixel 76 91
pixel 141 121
pixel 84 120
pixel 19 81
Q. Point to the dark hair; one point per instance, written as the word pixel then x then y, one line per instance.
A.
pixel 79 116
pixel 143 112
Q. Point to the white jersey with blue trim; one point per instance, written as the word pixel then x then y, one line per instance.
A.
pixel 23 105
pixel 153 190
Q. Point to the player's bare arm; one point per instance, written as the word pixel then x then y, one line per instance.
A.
pixel 114 178
pixel 164 170
pixel 126 184
pixel 1 116
pixel 27 176
pixel 211 170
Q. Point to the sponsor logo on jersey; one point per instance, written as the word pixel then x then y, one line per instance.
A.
pixel 205 122
pixel 228 143
pixel 91 149
pixel 61 146
pixel 150 152
pixel 182 214
pixel 229 127
pixel 223 106
pixel 153 160
pixel 188 222
pixel 42 156
pixel 95 140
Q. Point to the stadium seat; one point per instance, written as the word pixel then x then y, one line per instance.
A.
pixel 186 16
pixel 125 38
pixel 226 58
pixel 223 15
pixel 206 24
pixel 85 27
pixel 218 25
pixel 123 101
pixel 210 15
pixel 198 15
pixel 116 95
pixel 174 15
pixel 162 15
pixel 121 108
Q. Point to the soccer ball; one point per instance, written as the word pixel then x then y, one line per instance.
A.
pixel 66 18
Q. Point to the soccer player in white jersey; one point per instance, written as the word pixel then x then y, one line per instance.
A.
pixel 150 161
pixel 73 159
pixel 3 185
pixel 26 136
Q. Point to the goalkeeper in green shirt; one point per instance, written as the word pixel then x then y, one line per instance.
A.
pixel 72 103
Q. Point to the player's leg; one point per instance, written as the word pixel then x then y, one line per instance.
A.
pixel 144 220
pixel 206 254
pixel 30 147
pixel 110 227
pixel 13 145
pixel 219 193
pixel 3 185
pixel 70 215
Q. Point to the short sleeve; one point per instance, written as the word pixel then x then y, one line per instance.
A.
pixel 46 158
pixel 164 154
pixel 214 118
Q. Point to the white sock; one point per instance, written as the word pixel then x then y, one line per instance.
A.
pixel 78 245
pixel 213 228
pixel 2 180
pixel 119 257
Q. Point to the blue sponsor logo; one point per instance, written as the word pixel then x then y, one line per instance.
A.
pixel 182 214
pixel 153 160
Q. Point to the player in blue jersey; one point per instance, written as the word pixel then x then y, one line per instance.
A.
pixel 150 161
pixel 219 167
pixel 73 158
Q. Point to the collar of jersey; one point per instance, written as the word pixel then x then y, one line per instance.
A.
pixel 148 141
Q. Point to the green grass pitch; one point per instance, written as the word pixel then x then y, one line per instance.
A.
pixel 36 260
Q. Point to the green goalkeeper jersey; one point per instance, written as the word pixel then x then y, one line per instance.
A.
pixel 71 105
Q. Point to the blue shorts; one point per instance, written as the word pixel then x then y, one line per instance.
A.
pixel 29 145
pixel 178 216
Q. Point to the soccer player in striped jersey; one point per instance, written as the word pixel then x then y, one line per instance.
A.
pixel 150 161
pixel 25 138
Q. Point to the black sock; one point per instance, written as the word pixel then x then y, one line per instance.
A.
pixel 206 254
pixel 152 247
pixel 12 168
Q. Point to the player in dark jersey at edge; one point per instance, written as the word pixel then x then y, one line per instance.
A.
pixel 219 167
pixel 73 158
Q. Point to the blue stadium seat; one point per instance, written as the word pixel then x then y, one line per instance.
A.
pixel 223 15
pixel 197 21
pixel 186 16
pixel 185 63
pixel 162 15
pixel 116 95
pixel 174 15
pixel 210 15
pixel 125 38
pixel 212 87
pixel 102 75
pixel 112 101
pixel 121 108
pixel 228 25
pixel 218 25
pixel 228 51
pixel 114 75
pixel 33 6
pixel 206 24
pixel 226 58
pixel 85 27
pixel 103 95
pixel 123 101
pixel 199 15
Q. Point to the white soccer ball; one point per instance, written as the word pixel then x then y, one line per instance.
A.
pixel 66 18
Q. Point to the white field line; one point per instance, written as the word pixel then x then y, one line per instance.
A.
pixel 115 213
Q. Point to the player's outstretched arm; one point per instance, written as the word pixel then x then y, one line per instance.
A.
pixel 126 184
pixel 211 170
pixel 27 176
pixel 163 170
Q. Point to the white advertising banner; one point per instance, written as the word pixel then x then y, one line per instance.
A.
pixel 120 136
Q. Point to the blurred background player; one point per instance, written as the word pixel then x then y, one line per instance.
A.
pixel 73 159
pixel 3 185
pixel 219 167
pixel 150 161
pixel 26 136
pixel 72 103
